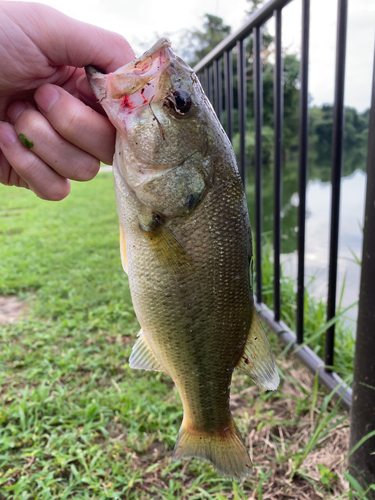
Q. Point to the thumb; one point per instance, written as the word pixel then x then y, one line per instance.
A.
pixel 66 41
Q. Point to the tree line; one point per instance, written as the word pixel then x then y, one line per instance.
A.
pixel 198 43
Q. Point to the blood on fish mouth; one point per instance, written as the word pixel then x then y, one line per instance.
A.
pixel 127 103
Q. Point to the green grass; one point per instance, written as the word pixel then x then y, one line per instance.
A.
pixel 315 317
pixel 75 420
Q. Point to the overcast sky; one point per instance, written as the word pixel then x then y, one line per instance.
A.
pixel 143 21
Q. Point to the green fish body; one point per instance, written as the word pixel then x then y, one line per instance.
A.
pixel 186 245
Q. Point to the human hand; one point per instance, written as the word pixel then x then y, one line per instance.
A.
pixel 41 48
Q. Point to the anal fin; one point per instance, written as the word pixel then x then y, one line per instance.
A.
pixel 142 356
pixel 257 360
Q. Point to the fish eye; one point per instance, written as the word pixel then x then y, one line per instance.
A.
pixel 182 101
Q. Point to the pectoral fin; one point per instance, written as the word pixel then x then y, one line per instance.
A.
pixel 142 356
pixel 257 360
pixel 124 258
pixel 168 250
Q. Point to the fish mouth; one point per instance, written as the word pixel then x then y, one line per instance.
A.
pixel 140 81
pixel 138 74
pixel 133 77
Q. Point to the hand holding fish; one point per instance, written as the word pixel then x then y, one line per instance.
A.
pixel 45 101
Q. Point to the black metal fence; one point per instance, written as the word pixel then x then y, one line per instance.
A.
pixel 216 71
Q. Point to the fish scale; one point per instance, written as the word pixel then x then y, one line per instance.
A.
pixel 186 246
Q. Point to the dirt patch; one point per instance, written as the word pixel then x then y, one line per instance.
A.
pixel 11 310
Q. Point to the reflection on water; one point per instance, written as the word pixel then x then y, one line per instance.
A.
pixel 317 238
pixel 353 189
pixel 353 182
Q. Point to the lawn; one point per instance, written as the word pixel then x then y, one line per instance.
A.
pixel 77 422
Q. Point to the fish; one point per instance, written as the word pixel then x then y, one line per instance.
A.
pixel 186 245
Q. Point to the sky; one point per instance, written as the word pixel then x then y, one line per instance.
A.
pixel 142 22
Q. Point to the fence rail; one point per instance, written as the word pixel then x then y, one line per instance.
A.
pixel 212 77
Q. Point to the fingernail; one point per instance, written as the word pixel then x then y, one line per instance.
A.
pixel 15 109
pixel 7 134
pixel 45 97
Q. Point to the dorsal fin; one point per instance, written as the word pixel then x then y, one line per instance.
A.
pixel 257 361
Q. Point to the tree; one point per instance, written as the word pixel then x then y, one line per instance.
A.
pixel 354 145
pixel 197 44
pixel 254 5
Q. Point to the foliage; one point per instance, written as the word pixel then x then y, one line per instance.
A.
pixel 196 44
pixel 354 145
pixel 254 5
pixel 315 315
pixel 327 477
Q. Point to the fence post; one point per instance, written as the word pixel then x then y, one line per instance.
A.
pixel 337 143
pixel 362 462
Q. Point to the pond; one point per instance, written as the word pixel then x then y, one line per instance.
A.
pixel 353 187
pixel 317 239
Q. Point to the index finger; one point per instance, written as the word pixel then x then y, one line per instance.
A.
pixel 76 122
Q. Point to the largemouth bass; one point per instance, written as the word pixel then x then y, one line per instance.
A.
pixel 186 245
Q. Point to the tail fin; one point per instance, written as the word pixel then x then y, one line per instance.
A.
pixel 225 450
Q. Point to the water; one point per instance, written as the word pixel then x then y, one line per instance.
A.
pixel 317 239
pixel 353 187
